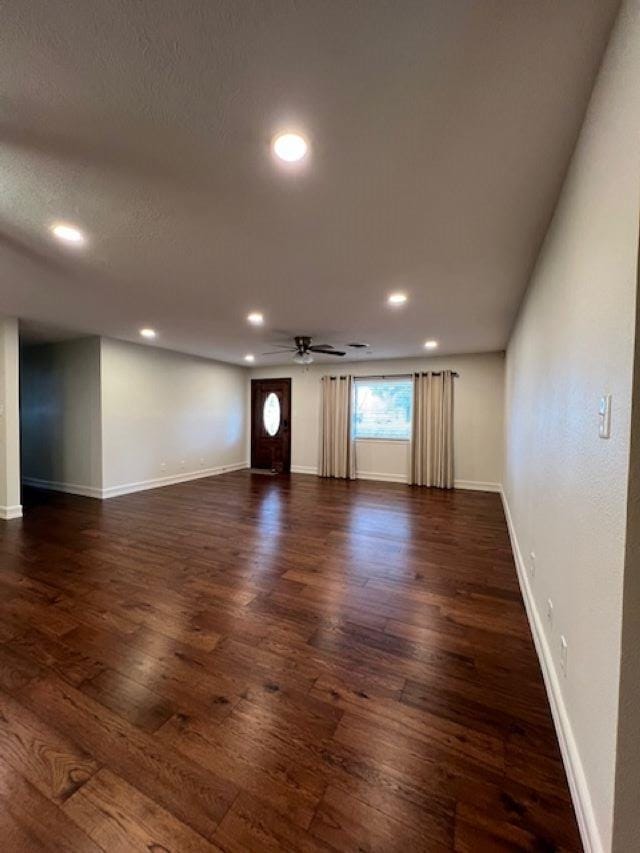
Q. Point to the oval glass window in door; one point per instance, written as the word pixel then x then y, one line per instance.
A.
pixel 271 414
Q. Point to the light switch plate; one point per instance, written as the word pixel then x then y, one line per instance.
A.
pixel 604 416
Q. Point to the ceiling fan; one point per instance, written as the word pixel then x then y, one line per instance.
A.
pixel 304 349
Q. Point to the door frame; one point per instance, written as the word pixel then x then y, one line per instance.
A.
pixel 255 384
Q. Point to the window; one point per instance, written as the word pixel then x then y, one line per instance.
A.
pixel 382 408
pixel 271 414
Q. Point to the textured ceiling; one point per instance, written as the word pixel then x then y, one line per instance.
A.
pixel 440 133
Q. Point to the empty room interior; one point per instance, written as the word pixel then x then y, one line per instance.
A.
pixel 319 426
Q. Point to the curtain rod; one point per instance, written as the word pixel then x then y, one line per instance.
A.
pixel 398 375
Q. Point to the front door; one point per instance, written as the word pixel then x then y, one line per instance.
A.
pixel 270 424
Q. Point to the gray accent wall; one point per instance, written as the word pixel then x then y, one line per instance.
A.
pixel 60 414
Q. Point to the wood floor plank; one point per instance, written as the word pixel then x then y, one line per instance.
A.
pixel 135 702
pixel 16 669
pixel 15 836
pixel 165 666
pixel 251 826
pixel 196 798
pixel 477 831
pixel 119 818
pixel 274 782
pixel 34 822
pixel 56 655
pixel 51 761
pixel 247 663
pixel 347 823
pixel 433 730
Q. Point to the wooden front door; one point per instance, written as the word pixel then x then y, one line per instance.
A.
pixel 271 424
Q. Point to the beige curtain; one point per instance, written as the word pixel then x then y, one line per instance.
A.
pixel 432 432
pixel 337 455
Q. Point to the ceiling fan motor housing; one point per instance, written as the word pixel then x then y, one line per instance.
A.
pixel 303 342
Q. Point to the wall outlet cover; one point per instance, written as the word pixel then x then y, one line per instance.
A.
pixel 563 654
pixel 549 611
pixel 604 416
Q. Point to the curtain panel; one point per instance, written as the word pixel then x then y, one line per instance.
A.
pixel 432 430
pixel 337 453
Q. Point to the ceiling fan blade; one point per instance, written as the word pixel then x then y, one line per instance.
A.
pixel 327 350
pixel 320 347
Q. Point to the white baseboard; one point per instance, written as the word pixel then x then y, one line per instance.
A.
pixel 9 512
pixel 69 488
pixel 472 485
pixel 171 480
pixel 578 786
pixel 383 478
pixel 129 488
pixel 304 469
pixel 478 486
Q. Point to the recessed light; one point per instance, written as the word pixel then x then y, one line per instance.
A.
pixel 255 318
pixel 68 233
pixel 290 147
pixel 249 357
pixel 431 344
pixel 397 298
pixel 148 333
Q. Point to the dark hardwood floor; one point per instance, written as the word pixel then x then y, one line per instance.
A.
pixel 252 663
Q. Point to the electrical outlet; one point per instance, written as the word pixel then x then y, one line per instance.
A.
pixel 182 463
pixel 163 465
pixel 549 611
pixel 532 564
pixel 563 654
pixel 202 462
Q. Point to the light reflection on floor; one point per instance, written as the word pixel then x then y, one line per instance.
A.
pixel 270 511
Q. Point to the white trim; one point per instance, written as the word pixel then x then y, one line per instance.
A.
pixel 304 469
pixel 477 486
pixel 128 488
pixel 576 777
pixel 9 512
pixel 377 440
pixel 472 485
pixel 383 478
pixel 69 488
pixel 172 479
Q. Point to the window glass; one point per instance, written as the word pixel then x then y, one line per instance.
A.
pixel 383 408
pixel 271 414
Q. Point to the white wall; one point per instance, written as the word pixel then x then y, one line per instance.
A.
pixel 60 411
pixel 566 489
pixel 9 420
pixel 168 416
pixel 478 416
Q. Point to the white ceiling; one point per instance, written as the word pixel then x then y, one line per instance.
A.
pixel 440 133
